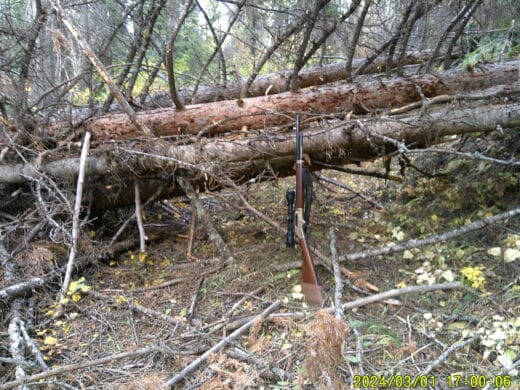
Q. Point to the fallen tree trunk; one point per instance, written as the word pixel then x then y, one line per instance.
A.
pixel 274 83
pixel 268 111
pixel 210 163
pixel 268 84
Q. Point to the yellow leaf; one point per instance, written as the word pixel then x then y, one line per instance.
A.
pixel 76 297
pixel 49 340
pixel 142 256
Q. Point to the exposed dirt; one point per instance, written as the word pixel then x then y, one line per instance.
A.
pixel 401 336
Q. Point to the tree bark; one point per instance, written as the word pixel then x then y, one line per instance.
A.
pixel 268 111
pixel 208 163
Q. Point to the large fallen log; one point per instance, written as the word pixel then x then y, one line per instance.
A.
pixel 210 162
pixel 267 111
pixel 274 83
pixel 267 84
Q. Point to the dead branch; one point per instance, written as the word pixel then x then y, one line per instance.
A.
pixel 125 224
pixel 298 316
pixel 25 288
pixel 31 344
pixel 194 299
pixel 345 187
pixel 29 236
pixel 16 342
pixel 468 156
pixel 269 371
pixel 180 321
pixel 360 172
pixel 442 99
pixel 238 303
pixel 191 232
pixel 78 366
pixel 89 53
pixel 221 344
pixel 452 348
pixel 21 289
pixel 75 223
pixel 338 287
pixel 139 218
pixel 214 235
pixel 436 238
pixel 175 281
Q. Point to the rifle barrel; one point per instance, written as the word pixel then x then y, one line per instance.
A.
pixel 310 285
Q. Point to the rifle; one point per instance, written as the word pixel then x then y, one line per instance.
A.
pixel 297 221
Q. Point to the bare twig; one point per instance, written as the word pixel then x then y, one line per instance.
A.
pixel 360 172
pixel 140 125
pixel 191 310
pixel 78 366
pixel 359 346
pixel 75 221
pixel 22 288
pixel 32 345
pixel 357 303
pixel 221 344
pixel 431 239
pixel 452 348
pixel 27 238
pixel 139 218
pixel 345 187
pixel 214 235
pixel 338 289
pixel 191 233
pixel 269 370
pixel 242 300
pixel 16 342
pixel 142 310
pixel 173 282
pixel 469 156
pixel 125 224
pixel 424 103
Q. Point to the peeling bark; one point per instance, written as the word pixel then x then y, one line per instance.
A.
pixel 268 111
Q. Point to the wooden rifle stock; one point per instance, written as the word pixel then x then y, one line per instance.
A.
pixel 309 280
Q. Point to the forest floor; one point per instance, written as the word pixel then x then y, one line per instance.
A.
pixel 183 305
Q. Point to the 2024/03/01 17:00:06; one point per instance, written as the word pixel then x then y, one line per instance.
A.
pixel 425 381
